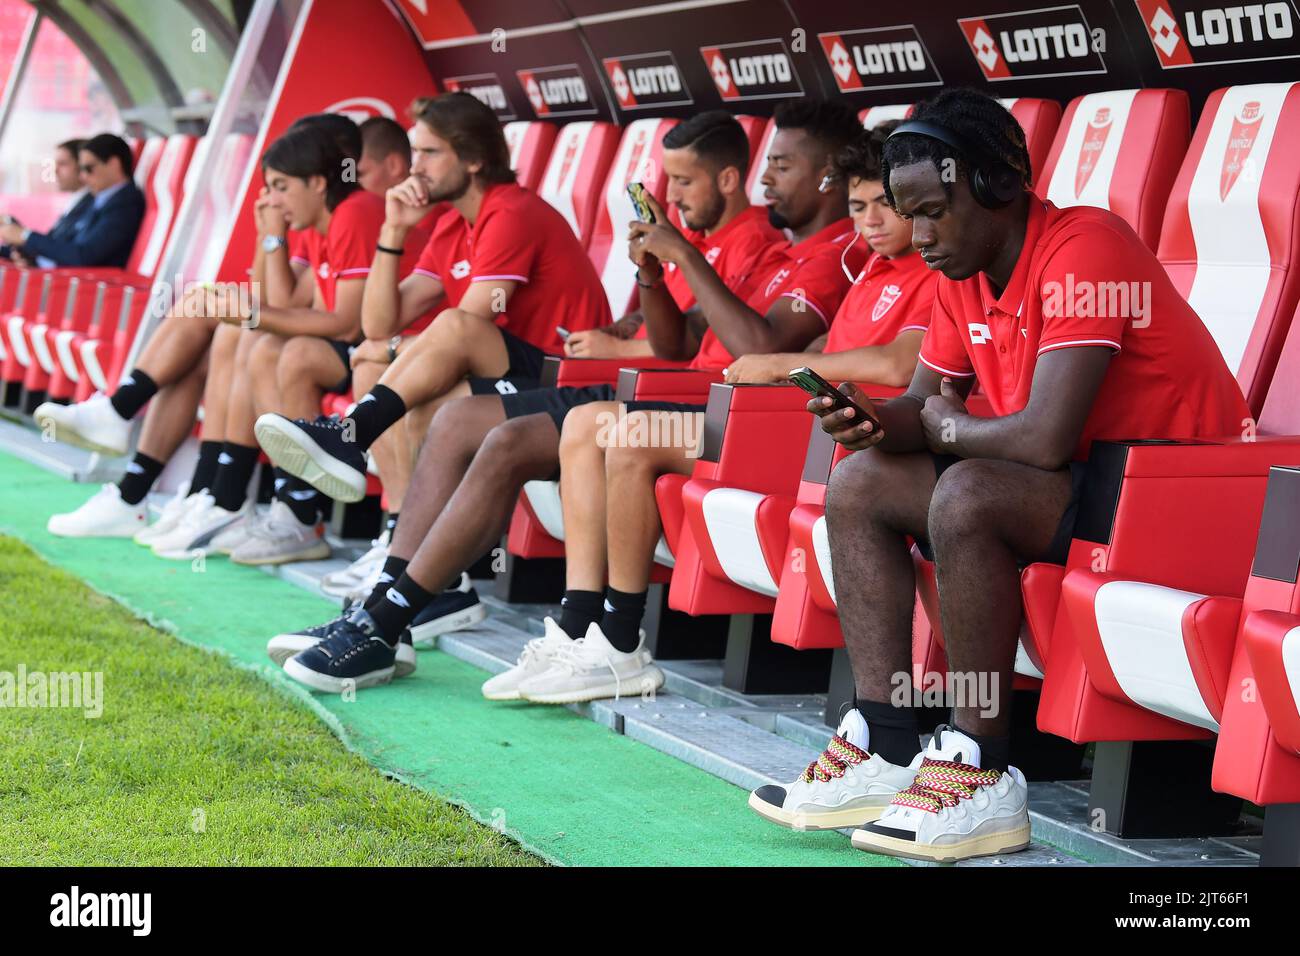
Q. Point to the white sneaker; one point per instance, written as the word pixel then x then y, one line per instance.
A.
pixel 536 659
pixel 169 517
pixel 592 669
pixel 193 534
pixel 953 810
pixel 281 538
pixel 845 787
pixel 93 424
pixel 365 568
pixel 234 534
pixel 105 515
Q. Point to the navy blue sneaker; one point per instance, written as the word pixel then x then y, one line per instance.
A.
pixel 284 646
pixel 321 453
pixel 452 610
pixel 354 656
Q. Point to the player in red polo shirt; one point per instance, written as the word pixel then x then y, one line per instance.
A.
pixel 1031 307
pixel 893 292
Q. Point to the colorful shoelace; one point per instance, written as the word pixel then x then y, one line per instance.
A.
pixel 944 783
pixel 838 756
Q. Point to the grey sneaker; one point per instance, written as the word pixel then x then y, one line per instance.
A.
pixel 280 538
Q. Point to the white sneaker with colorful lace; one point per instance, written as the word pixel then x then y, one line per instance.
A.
pixel 845 787
pixel 953 810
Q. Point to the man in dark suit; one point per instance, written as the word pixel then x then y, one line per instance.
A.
pixel 105 234
pixel 67 176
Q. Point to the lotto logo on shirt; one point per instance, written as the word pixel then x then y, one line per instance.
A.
pixel 487 89
pixel 979 333
pixel 646 80
pixel 1199 33
pixel 879 59
pixel 1056 41
pixel 758 70
pixel 557 90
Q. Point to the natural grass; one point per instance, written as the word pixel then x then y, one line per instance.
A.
pixel 193 761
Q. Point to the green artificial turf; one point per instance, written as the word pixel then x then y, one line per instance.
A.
pixel 568 789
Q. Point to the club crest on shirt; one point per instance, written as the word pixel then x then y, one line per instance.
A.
pixel 888 296
pixel 781 276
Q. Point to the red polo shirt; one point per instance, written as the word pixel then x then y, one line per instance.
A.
pixel 889 297
pixel 520 237
pixel 734 251
pixel 1083 279
pixel 811 272
pixel 348 246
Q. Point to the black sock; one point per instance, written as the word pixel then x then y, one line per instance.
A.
pixel 894 733
pixel 205 469
pixel 303 500
pixel 621 622
pixel 995 752
pixel 374 414
pixel 390 524
pixel 393 569
pixel 133 394
pixel 579 610
pixel 235 467
pixel 139 478
pixel 397 608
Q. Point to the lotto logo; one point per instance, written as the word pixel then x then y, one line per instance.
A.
pixel 979 333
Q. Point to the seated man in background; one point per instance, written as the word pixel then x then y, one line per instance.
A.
pixel 67 177
pixel 611 516
pixel 105 235
pixel 474 482
pixel 984 495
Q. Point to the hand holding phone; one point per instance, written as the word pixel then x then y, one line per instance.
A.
pixel 637 193
pixel 845 429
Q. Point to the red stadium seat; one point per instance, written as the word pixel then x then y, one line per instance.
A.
pixel 873 115
pixel 639 159
pixel 576 172
pixel 530 147
pixel 1119 151
pixel 1039 119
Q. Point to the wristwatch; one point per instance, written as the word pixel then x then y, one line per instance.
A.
pixel 392 348
pixel 272 243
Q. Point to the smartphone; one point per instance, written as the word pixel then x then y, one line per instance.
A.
pixel 643 211
pixel 563 333
pixel 814 384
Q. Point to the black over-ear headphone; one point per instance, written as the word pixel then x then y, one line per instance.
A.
pixel 992 182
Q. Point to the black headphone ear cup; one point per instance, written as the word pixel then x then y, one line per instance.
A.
pixel 1003 184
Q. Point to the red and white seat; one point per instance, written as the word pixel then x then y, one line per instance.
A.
pixel 1120 150
pixel 1039 119
pixel 576 172
pixel 530 143
pixel 639 159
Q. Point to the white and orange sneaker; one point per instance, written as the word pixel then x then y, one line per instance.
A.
pixel 953 810
pixel 845 787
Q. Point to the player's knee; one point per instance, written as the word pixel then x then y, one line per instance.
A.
pixel 963 506
pixel 264 356
pixel 581 429
pixel 508 451
pixel 857 483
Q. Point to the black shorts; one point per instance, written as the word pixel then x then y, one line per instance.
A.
pixel 523 372
pixel 1059 549
pixel 344 351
